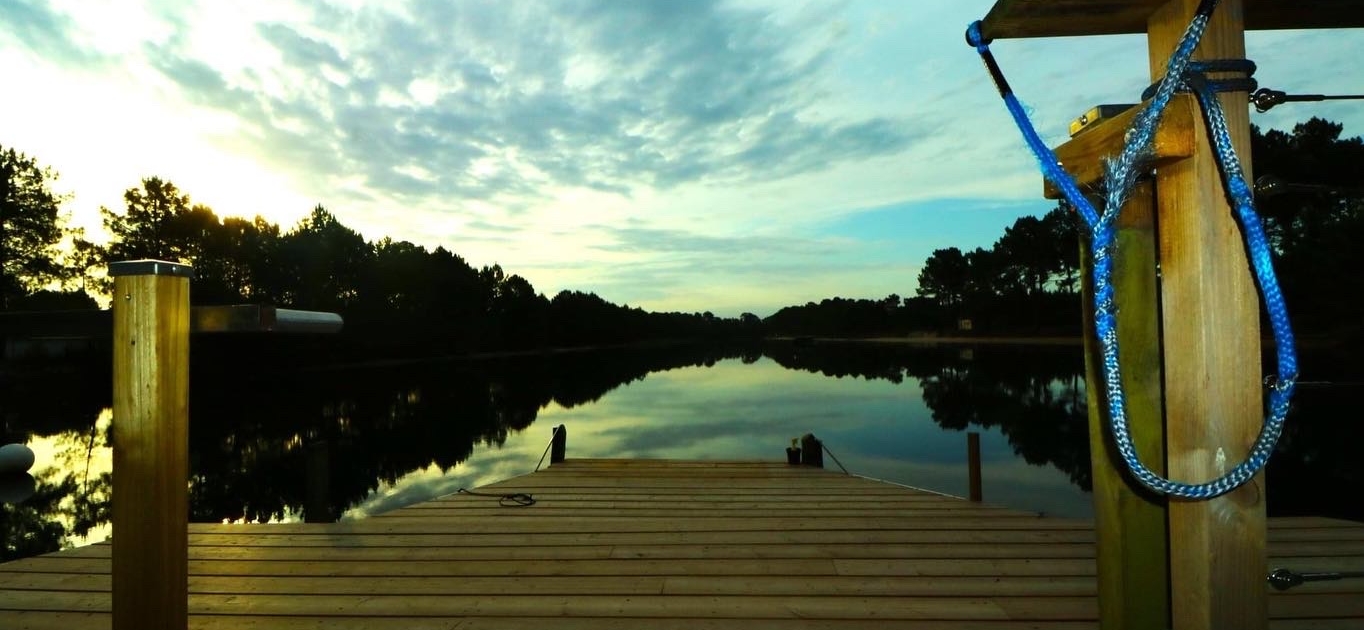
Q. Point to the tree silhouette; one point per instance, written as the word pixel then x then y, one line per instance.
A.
pixel 1315 220
pixel 323 262
pixel 944 277
pixel 31 226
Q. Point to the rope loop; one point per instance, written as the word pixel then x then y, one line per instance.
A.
pixel 1121 174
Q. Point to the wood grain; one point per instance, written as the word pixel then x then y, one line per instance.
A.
pixel 151 450
pixel 607 567
pixel 1133 548
pixel 1060 18
pixel 1211 330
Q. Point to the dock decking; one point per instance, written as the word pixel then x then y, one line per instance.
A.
pixel 662 544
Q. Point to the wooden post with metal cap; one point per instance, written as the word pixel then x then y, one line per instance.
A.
pixel 1208 308
pixel 151 444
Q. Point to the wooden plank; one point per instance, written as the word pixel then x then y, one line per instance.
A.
pixel 848 548
pixel 725 585
pixel 720 506
pixel 151 443
pixel 511 523
pixel 424 566
pixel 205 546
pixel 1085 154
pixel 616 463
pixel 642 607
pixel 1064 18
pixel 1133 549
pixel 1000 567
pixel 78 621
pixel 366 565
pixel 1211 351
pixel 689 481
pixel 709 499
pixel 597 488
pixel 689 514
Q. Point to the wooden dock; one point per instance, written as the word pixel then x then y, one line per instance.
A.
pixel 662 544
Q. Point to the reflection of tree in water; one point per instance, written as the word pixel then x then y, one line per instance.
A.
pixel 69 500
pixel 1035 395
pixel 1317 469
pixel 62 404
pixel 254 447
pixel 278 444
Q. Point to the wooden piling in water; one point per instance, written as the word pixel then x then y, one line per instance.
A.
pixel 151 444
pixel 811 451
pixel 973 466
pixel 558 445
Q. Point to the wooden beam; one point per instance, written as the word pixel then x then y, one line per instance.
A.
pixel 151 444
pixel 1083 156
pixel 1130 537
pixel 1211 350
pixel 1059 18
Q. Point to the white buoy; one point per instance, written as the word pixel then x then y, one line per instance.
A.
pixel 15 458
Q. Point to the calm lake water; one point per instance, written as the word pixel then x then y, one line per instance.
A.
pixel 322 444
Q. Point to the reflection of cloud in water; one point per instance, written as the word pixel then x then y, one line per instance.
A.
pixel 1005 481
pixel 485 466
pixel 876 428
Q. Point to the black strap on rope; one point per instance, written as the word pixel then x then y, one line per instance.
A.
pixel 1266 99
pixel 1198 71
pixel 515 499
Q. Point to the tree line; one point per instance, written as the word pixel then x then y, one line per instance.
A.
pixel 392 294
pixel 1310 194
pixel 399 294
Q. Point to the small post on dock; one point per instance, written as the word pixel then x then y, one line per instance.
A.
pixel 558 445
pixel 811 451
pixel 151 444
pixel 317 477
pixel 973 465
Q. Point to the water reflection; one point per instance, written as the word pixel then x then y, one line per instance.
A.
pixel 1035 398
pixel 317 445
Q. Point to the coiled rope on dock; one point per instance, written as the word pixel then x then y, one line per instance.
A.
pixel 1121 174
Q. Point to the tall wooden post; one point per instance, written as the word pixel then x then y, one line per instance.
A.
pixel 151 444
pixel 1210 318
pixel 1131 541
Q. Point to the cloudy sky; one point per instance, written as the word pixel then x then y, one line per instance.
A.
pixel 677 155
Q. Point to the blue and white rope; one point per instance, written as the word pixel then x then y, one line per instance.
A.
pixel 1121 173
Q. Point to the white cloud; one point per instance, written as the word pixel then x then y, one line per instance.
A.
pixel 513 132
